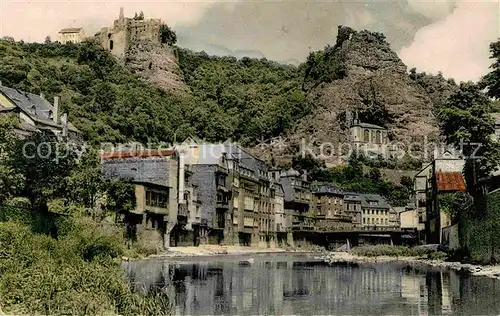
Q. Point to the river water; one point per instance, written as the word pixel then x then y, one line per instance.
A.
pixel 300 285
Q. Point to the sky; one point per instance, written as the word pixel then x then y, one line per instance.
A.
pixel 451 36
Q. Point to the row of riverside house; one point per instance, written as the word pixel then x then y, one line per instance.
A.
pixel 198 193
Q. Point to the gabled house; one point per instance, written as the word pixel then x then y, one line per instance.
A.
pixel 164 195
pixel 328 209
pixel 36 113
pixel 443 175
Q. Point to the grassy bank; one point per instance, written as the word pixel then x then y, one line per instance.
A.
pixel 76 273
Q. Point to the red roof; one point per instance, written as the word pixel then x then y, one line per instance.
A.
pixel 140 154
pixel 450 181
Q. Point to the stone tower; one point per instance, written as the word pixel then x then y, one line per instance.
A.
pixel 125 32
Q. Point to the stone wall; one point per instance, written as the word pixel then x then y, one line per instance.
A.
pixel 137 169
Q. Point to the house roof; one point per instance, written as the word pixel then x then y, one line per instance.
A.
pixel 71 30
pixel 352 196
pixel 450 181
pixel 135 154
pixel 34 105
pixel 325 188
pixel 381 202
pixel 368 125
pixel 290 173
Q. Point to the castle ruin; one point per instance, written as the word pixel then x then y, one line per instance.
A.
pixel 118 38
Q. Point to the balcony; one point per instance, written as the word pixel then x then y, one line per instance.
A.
pixel 222 205
pixel 221 170
pixel 183 211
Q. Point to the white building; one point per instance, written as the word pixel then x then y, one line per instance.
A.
pixel 71 35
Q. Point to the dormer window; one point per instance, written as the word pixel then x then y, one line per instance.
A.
pixel 51 114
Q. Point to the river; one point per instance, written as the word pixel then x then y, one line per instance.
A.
pixel 300 285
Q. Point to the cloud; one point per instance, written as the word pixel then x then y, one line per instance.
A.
pixel 289 30
pixel 457 45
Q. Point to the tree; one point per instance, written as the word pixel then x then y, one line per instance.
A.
pixel 120 195
pixel 406 182
pixel 492 80
pixel 85 183
pixel 167 35
pixel 467 124
pixel 10 179
pixel 47 40
pixel 46 165
pixel 375 174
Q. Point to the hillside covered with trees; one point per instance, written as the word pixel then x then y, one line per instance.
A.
pixel 240 99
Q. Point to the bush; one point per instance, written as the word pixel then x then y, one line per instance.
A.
pixel 72 275
pixel 391 251
pixel 438 255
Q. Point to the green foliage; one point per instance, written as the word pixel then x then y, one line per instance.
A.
pixel 467 124
pixel 45 165
pixel 438 255
pixel 452 203
pixel 352 178
pixel 85 183
pixel 120 195
pixel 167 35
pixel 391 251
pixel 479 232
pixel 246 100
pixel 72 275
pixel 324 66
pixel 102 99
pixel 10 179
pixel 243 99
pixel 492 80
pixel 407 162
pixel 407 182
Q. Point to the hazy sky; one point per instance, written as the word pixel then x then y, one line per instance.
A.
pixel 451 36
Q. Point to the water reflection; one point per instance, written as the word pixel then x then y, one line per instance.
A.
pixel 284 286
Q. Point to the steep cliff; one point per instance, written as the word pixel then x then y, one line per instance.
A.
pixel 156 63
pixel 361 73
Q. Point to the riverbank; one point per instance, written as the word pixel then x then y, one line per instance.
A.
pixel 477 270
pixel 330 257
pixel 218 250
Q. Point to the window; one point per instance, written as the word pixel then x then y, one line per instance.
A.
pixel 111 45
pixel 366 136
pixel 379 137
pixel 364 220
pixel 156 199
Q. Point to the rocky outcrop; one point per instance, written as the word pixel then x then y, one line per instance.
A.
pixel 156 63
pixel 374 81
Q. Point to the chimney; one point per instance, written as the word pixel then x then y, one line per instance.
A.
pixel 122 16
pixel 181 177
pixel 41 95
pixel 64 122
pixel 56 110
pixel 304 175
pixel 0 83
